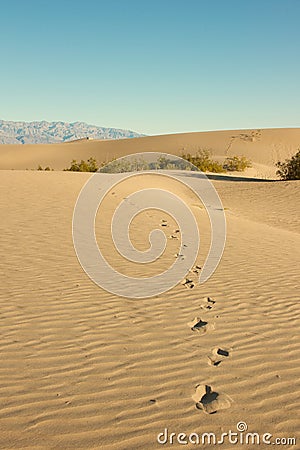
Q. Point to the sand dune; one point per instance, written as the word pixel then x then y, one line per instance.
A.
pixel 263 147
pixel 84 369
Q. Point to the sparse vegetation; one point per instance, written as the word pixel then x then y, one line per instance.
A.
pixel 290 168
pixel 124 165
pixel 46 168
pixel 203 161
pixel 83 166
pixel 236 164
pixel 127 165
pixel 139 164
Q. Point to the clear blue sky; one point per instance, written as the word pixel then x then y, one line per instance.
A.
pixel 153 66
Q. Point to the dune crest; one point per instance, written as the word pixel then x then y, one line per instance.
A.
pixel 264 147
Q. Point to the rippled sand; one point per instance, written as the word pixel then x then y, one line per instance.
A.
pixel 84 369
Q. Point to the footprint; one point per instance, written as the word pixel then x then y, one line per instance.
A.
pixel 217 356
pixel 207 303
pixel 209 401
pixel 188 283
pixel 196 269
pixel 201 326
pixel 173 236
pixel 178 255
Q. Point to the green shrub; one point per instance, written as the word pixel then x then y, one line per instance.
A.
pixel 121 166
pixel 202 160
pixel 83 166
pixel 236 163
pixel 290 169
pixel 137 164
pixel 46 168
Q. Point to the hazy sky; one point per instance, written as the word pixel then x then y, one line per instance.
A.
pixel 153 66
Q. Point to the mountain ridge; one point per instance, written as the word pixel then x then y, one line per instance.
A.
pixel 44 132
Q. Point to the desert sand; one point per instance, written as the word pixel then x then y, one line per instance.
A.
pixel 262 147
pixel 85 369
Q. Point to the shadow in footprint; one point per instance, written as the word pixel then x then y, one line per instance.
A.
pixel 217 356
pixel 209 396
pixel 207 303
pixel 201 326
pixel 222 352
pixel 210 401
pixel 195 269
pixel 187 283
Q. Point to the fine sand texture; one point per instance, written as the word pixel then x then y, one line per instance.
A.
pixel 262 147
pixel 85 369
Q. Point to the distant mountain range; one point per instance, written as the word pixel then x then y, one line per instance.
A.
pixel 50 132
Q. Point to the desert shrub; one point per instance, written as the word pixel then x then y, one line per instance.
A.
pixel 170 164
pixel 83 166
pixel 123 165
pixel 139 164
pixel 236 163
pixel 290 168
pixel 108 166
pixel 46 168
pixel 203 161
